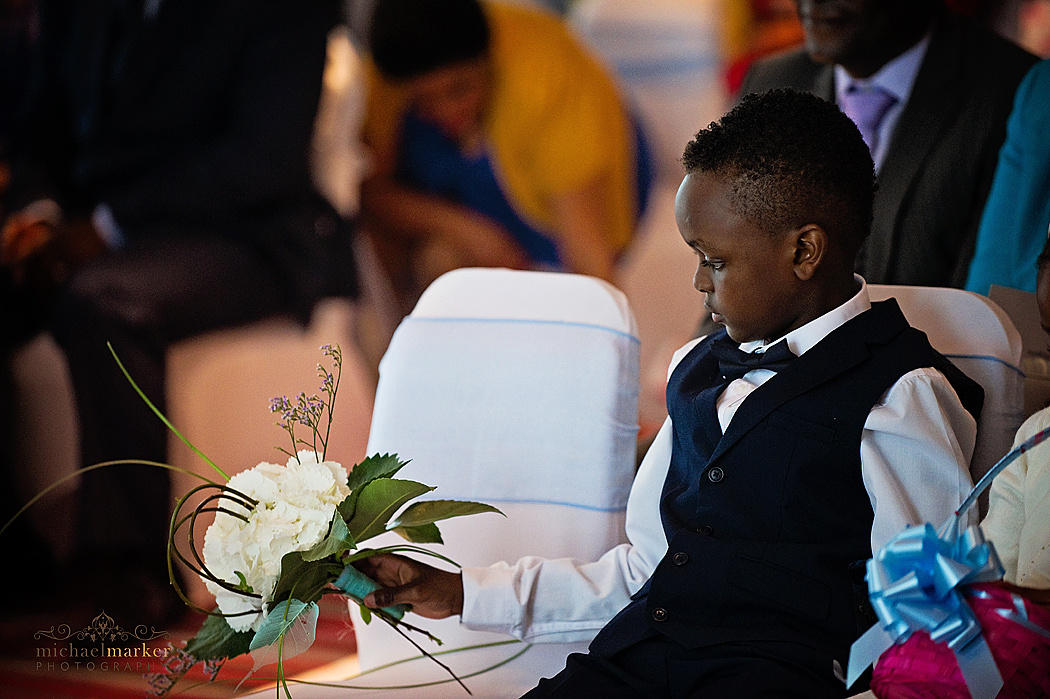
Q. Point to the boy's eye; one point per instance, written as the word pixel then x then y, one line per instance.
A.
pixel 716 265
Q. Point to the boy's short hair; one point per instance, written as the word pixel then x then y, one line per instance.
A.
pixel 793 159
pixel 408 38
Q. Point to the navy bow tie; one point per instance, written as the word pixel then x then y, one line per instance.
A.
pixel 734 362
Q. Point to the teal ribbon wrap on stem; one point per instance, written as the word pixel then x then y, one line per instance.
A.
pixel 916 581
pixel 356 585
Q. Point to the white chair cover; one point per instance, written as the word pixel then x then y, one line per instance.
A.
pixel 518 389
pixel 979 338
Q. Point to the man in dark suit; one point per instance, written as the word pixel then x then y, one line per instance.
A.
pixel 174 137
pixel 950 85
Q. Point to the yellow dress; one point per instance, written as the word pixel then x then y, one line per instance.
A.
pixel 554 122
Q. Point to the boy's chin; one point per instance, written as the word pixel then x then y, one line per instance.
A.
pixel 740 336
pixel 735 334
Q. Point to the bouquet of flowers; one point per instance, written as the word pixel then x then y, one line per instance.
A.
pixel 285 535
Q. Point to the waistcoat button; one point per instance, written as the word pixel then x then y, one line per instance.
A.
pixel 705 529
pixel 680 558
pixel 716 474
pixel 659 614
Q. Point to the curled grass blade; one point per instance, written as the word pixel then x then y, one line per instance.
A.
pixel 86 469
pixel 158 413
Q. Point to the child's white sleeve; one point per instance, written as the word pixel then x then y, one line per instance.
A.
pixel 915 453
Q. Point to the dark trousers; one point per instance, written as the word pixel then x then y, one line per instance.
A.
pixel 658 668
pixel 142 299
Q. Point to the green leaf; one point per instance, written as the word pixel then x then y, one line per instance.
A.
pixel 217 640
pixel 308 578
pixel 278 621
pixel 378 502
pixel 423 534
pixel 366 614
pixel 348 506
pixel 362 474
pixel 428 511
pixel 374 467
pixel 337 541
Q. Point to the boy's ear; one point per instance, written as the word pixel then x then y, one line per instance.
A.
pixel 811 245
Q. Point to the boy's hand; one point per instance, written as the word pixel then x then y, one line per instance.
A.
pixel 433 593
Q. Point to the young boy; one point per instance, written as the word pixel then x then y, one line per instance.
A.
pixel 800 438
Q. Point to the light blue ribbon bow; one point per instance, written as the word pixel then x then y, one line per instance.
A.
pixel 915 581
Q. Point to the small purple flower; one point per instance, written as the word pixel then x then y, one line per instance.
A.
pixel 327 383
pixel 179 661
pixel 175 667
pixel 211 668
pixel 159 684
pixel 279 403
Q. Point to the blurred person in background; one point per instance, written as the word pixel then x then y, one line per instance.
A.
pixel 1016 216
pixel 161 189
pixel 1033 27
pixel 931 91
pixel 498 141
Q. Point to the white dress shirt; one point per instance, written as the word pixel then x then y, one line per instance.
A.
pixel 915 450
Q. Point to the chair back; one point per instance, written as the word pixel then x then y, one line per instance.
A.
pixel 518 389
pixel 979 338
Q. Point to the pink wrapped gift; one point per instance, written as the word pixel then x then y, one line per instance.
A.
pixel 947 628
pixel 1017 632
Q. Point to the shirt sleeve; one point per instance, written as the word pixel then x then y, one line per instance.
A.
pixel 916 470
pixel 564 600
pixel 1019 512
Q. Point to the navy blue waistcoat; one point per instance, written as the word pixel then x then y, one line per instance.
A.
pixel 764 521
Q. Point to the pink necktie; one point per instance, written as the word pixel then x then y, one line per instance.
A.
pixel 866 106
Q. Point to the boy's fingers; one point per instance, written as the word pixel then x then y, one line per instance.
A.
pixel 389 596
pixel 367 566
pixel 385 569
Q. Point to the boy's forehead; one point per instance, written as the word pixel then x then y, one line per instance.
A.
pixel 704 197
pixel 703 192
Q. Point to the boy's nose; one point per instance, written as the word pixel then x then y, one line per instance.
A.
pixel 702 278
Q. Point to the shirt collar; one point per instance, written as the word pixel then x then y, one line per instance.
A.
pixel 896 77
pixel 802 339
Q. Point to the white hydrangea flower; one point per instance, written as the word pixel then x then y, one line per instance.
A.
pixel 296 505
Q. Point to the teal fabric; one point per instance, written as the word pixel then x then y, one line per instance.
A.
pixel 1016 217
pixel 357 585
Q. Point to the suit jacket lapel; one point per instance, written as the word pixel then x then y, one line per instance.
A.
pixel 156 39
pixel 706 374
pixel 814 368
pixel 85 62
pixel 806 373
pixel 934 99
pixel 824 83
